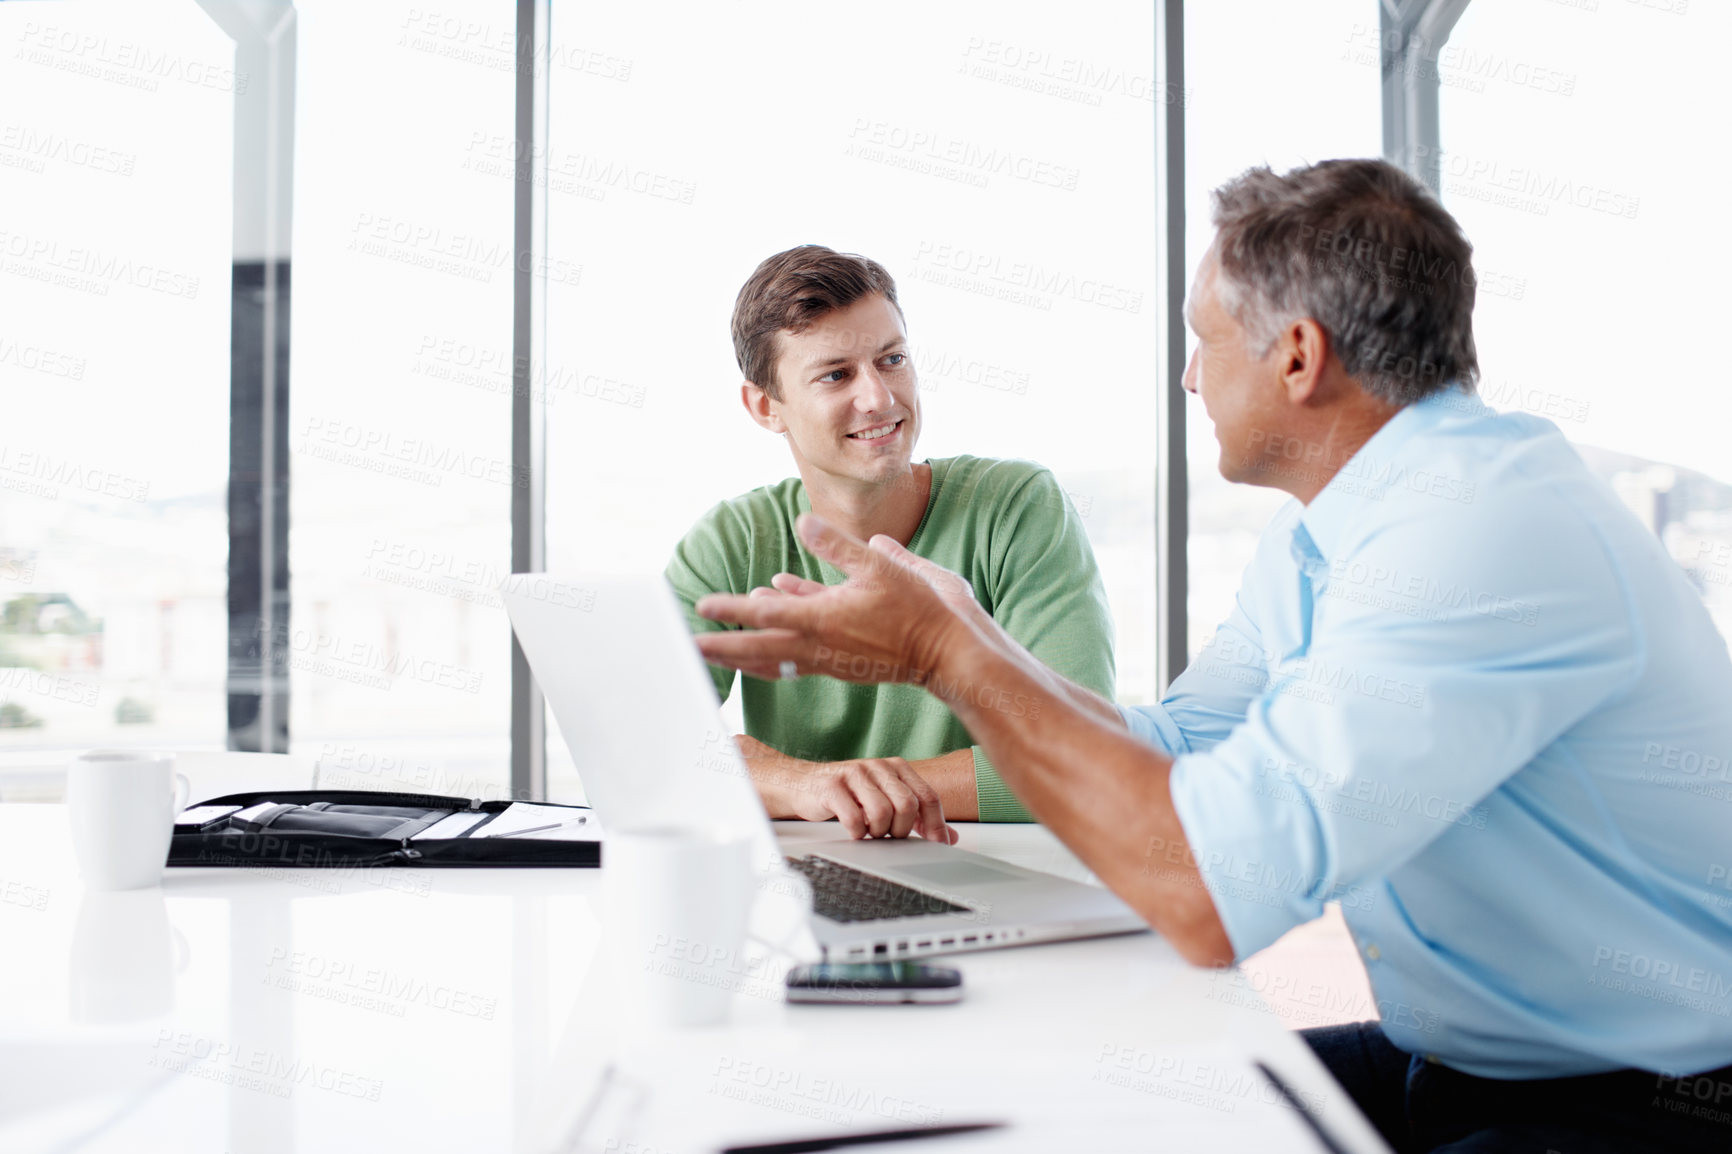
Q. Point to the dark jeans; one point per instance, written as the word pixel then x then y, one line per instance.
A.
pixel 1422 1106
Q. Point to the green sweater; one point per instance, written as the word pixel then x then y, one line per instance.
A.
pixel 1006 526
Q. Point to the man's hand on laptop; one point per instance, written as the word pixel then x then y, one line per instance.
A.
pixel 877 797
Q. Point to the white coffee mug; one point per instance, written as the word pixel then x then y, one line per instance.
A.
pixel 123 804
pixel 677 904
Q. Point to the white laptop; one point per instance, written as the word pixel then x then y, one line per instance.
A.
pixel 636 705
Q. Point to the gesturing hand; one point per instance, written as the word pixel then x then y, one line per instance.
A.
pixel 892 620
pixel 951 588
pixel 876 797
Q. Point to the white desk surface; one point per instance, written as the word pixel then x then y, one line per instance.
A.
pixel 269 1011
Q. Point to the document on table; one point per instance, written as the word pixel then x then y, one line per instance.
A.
pixel 544 822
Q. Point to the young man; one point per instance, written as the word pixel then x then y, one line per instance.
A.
pixel 821 342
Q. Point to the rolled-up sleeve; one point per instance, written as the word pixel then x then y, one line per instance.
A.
pixel 1153 725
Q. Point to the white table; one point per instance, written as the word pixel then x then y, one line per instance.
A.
pixel 262 1012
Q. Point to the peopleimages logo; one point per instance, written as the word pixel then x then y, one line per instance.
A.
pixel 1421 588
pixel 370 987
pixel 36 149
pixel 881 140
pixel 1384 474
pixel 43 475
pixel 122 61
pixel 800 1092
pixel 37 359
pixel 1020 282
pixel 1662 971
pixel 1686 761
pixel 1311 678
pixel 359 662
pixel 89 270
pixel 255 1068
pixel 411 458
pixel 1039 69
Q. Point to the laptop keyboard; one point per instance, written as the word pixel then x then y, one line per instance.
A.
pixel 844 894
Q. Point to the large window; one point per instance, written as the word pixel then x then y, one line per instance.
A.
pixel 128 217
pixel 115 161
pixel 1304 88
pixel 1573 155
pixel 998 159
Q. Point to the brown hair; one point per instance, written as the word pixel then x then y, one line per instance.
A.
pixel 1368 253
pixel 791 291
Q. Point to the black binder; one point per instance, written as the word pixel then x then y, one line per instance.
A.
pixel 317 828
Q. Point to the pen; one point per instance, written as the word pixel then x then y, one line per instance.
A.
pixel 802 1145
pixel 585 1115
pixel 578 820
pixel 1311 1119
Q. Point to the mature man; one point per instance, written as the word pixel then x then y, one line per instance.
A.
pixel 1456 677
pixel 820 339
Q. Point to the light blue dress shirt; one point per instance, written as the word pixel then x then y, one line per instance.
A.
pixel 1468 695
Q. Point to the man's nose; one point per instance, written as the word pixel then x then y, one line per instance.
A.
pixel 1190 378
pixel 872 395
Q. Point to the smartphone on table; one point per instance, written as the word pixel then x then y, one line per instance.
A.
pixel 874 984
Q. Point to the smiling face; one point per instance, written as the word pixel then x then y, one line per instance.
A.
pixel 1237 388
pixel 848 403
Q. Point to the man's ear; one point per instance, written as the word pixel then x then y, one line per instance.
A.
pixel 761 407
pixel 1302 349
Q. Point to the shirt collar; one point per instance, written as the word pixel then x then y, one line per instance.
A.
pixel 1332 512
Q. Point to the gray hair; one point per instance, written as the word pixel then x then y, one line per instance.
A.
pixel 1369 254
